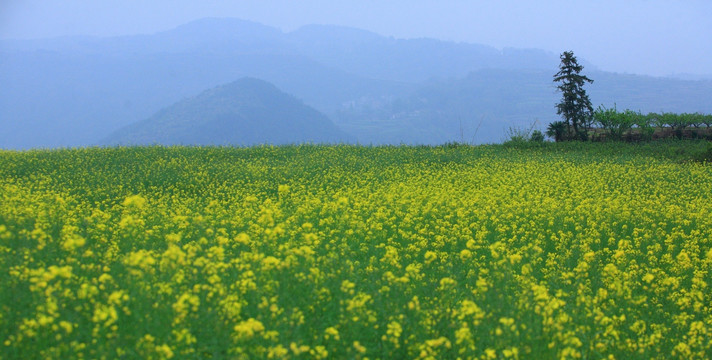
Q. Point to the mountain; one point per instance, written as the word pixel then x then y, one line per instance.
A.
pixel 481 107
pixel 245 112
pixel 73 91
pixel 651 94
pixel 409 60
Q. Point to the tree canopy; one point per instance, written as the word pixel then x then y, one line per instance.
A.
pixel 575 107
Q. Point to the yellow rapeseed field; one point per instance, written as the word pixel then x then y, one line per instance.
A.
pixel 320 252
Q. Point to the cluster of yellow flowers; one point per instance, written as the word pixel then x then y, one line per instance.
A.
pixel 353 252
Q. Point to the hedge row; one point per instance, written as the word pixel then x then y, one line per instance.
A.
pixel 616 124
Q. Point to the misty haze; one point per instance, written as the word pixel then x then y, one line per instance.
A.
pixel 73 91
pixel 355 179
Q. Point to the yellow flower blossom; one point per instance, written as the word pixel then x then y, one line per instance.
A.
pixel 248 328
pixel 136 201
pixel 332 333
pixel 473 252
pixel 359 348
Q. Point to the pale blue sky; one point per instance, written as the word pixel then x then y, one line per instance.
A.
pixel 657 37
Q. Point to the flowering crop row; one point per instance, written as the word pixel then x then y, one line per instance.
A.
pixel 354 252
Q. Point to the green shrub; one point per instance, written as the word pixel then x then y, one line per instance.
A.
pixel 706 156
pixel 537 136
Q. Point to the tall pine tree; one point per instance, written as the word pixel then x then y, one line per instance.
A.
pixel 575 106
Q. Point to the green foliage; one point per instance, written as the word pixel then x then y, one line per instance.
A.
pixel 454 145
pixel 537 136
pixel 655 120
pixel 518 136
pixel 675 122
pixel 575 106
pixel 704 156
pixel 625 125
pixel 645 126
pixel 707 120
pixel 613 122
pixel 350 252
pixel 558 130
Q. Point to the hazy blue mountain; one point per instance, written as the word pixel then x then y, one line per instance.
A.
pixel 72 91
pixel 411 60
pixel 692 77
pixel 78 90
pixel 651 94
pixel 209 34
pixel 245 112
pixel 481 107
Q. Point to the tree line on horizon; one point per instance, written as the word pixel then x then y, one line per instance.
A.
pixel 581 122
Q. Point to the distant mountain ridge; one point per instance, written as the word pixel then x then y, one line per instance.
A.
pixel 410 60
pixel 244 112
pixel 73 91
pixel 468 109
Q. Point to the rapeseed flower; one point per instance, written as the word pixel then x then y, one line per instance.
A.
pixel 354 252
